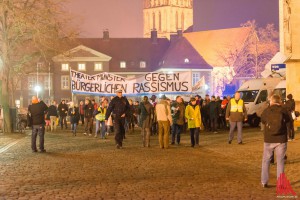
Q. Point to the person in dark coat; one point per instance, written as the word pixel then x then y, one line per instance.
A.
pixel 214 111
pixel 88 117
pixel 290 106
pixel 63 112
pixel 119 106
pixel 146 115
pixel 52 112
pixel 74 117
pixel 205 115
pixel 37 111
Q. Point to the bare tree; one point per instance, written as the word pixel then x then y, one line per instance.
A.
pixel 30 30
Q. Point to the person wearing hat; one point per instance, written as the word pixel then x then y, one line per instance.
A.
pixel 290 106
pixel 119 106
pixel 164 119
pixel 192 114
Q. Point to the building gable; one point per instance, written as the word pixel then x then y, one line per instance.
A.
pixel 81 53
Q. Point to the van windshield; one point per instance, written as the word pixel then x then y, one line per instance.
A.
pixel 249 95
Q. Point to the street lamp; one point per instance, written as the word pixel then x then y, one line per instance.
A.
pixel 37 88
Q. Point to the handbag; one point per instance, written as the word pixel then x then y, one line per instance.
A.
pixel 293 115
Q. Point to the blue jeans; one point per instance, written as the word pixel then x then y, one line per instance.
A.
pixel 269 148
pixel 176 130
pixel 239 129
pixel 102 124
pixel 74 128
pixel 37 130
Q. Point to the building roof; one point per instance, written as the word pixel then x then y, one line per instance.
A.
pixel 130 50
pixel 214 44
pixel 181 54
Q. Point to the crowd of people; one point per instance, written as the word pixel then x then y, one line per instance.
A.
pixel 164 117
pixel 155 116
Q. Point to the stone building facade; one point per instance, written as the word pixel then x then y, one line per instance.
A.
pixel 167 16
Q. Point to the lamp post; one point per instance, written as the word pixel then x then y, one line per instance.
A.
pixel 37 88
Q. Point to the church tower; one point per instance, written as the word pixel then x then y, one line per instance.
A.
pixel 167 16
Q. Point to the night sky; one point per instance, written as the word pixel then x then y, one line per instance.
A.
pixel 219 14
pixel 124 18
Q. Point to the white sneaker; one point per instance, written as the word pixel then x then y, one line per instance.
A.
pixel 90 134
pixel 84 134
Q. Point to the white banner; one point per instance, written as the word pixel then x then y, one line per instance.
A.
pixel 105 84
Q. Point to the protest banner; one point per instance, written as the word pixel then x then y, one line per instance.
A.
pixel 105 84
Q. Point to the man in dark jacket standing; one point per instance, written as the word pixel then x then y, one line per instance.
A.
pixel 88 117
pixel 119 105
pixel 63 112
pixel 276 119
pixel 236 113
pixel 290 107
pixel 177 110
pixel 214 110
pixel 37 112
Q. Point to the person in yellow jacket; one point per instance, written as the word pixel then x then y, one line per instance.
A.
pixel 236 113
pixel 193 115
pixel 100 118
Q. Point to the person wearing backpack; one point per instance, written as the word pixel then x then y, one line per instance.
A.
pixel 146 115
pixel 100 118
pixel 275 119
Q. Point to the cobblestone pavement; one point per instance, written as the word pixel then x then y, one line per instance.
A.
pixel 84 167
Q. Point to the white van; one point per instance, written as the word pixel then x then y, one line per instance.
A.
pixel 255 94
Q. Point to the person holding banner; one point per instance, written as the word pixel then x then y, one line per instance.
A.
pixel 118 106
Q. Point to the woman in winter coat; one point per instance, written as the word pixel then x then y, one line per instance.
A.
pixel 193 115
pixel 74 114
pixel 146 115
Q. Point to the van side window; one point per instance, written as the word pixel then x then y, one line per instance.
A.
pixel 263 95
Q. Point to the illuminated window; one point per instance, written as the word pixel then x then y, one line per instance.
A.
pixel 186 60
pixel 64 67
pixel 122 64
pixel 142 64
pixel 98 67
pixel 65 82
pixel 81 66
pixel 196 78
